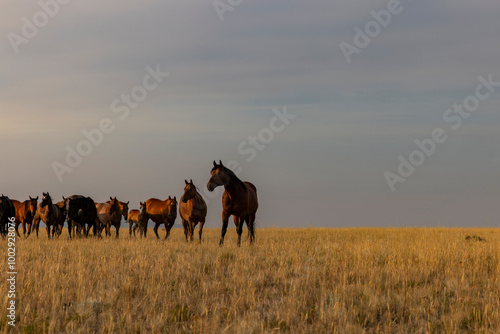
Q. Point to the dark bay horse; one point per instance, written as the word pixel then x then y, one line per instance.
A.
pixel 239 199
pixel 82 213
pixel 25 212
pixel 138 219
pixel 192 209
pixel 7 211
pixel 162 212
pixel 50 214
pixel 110 213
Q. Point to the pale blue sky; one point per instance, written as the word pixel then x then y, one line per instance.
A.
pixel 226 77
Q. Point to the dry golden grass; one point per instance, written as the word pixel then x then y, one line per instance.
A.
pixel 292 280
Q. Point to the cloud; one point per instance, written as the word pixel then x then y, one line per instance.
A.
pixel 226 77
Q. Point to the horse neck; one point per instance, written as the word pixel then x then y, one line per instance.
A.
pixel 49 207
pixel 234 187
pixel 197 199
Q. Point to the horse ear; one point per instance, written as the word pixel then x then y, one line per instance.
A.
pixel 31 198
pixel 185 181
pixel 128 202
pixel 169 197
pixel 191 181
pixel 220 163
pixel 111 198
pixel 36 198
pixel 215 164
pixel 175 199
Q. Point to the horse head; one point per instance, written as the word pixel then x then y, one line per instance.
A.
pixel 219 176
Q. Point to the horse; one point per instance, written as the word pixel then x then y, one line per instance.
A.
pixel 138 219
pixel 25 211
pixel 110 213
pixel 81 211
pixel 75 227
pixel 7 211
pixel 50 214
pixel 239 199
pixel 62 219
pixel 192 209
pixel 162 212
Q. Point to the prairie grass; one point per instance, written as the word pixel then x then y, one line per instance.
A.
pixel 366 280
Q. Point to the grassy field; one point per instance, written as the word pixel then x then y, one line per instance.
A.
pixel 292 280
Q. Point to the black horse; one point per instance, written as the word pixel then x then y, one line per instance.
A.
pixel 82 213
pixel 7 211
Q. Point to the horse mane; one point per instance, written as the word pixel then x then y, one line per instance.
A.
pixel 234 177
pixel 231 174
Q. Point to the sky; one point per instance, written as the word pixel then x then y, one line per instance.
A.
pixel 167 87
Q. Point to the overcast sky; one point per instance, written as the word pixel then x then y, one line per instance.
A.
pixel 325 168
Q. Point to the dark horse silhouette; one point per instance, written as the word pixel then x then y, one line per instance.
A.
pixel 82 213
pixel 7 211
pixel 239 199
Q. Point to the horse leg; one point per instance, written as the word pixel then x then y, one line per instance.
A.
pixel 185 225
pixel 155 229
pixel 225 219
pixel 168 227
pixel 48 229
pixel 201 228
pixel 69 228
pixel 251 227
pixel 239 228
pixel 28 229
pixel 117 227
pixel 192 226
pixel 16 227
pixel 130 228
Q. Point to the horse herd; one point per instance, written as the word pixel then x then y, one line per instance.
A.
pixel 82 214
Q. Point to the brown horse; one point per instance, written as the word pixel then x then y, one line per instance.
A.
pixel 25 211
pixel 239 199
pixel 138 219
pixel 50 214
pixel 110 213
pixel 192 209
pixel 62 219
pixel 162 212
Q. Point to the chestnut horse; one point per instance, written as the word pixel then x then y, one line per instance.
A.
pixel 138 219
pixel 192 209
pixel 25 211
pixel 239 199
pixel 162 212
pixel 110 213
pixel 50 214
